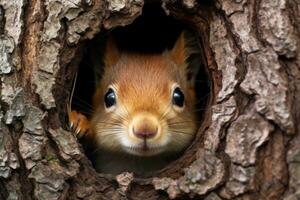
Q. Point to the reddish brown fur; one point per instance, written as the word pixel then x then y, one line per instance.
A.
pixel 144 85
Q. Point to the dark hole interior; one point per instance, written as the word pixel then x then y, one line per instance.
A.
pixel 152 32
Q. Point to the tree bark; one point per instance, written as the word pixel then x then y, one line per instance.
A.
pixel 248 146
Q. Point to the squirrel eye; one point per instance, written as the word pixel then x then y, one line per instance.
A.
pixel 110 98
pixel 178 97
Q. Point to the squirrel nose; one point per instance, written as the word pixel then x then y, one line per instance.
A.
pixel 144 132
pixel 145 126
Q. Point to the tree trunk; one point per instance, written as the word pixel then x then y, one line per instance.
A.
pixel 248 145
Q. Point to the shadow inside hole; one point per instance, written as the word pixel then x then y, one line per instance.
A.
pixel 152 32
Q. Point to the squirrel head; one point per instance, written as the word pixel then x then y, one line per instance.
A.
pixel 144 104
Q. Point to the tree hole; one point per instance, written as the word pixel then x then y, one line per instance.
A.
pixel 153 33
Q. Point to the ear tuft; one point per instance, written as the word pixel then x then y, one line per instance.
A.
pixel 187 54
pixel 178 53
pixel 112 53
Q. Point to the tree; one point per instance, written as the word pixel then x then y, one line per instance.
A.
pixel 248 145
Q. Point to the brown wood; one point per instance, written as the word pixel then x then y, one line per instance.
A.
pixel 248 145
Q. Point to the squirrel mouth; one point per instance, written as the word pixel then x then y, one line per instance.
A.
pixel 143 149
pixel 145 146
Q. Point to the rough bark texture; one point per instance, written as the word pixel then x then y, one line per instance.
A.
pixel 248 146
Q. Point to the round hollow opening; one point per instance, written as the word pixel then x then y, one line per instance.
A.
pixel 152 33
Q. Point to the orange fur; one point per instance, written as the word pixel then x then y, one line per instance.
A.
pixel 112 54
pixel 144 86
pixel 179 53
pixel 79 123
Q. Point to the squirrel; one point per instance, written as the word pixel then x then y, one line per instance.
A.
pixel 143 110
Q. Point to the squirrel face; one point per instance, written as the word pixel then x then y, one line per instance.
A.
pixel 144 104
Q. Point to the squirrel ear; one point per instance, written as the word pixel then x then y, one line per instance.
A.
pixel 178 53
pixel 112 53
pixel 187 54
